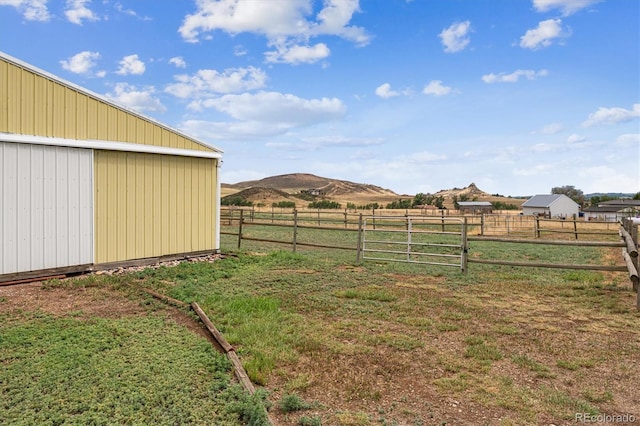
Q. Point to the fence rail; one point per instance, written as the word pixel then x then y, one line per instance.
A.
pixel 435 240
pixel 423 240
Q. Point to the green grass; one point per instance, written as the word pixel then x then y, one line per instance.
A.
pixel 139 370
pixel 521 340
pixel 292 402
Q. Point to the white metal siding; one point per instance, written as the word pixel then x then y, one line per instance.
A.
pixel 46 210
pixel 564 207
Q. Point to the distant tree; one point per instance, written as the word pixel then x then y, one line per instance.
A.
pixel 235 201
pixel 285 204
pixel 370 206
pixel 597 199
pixel 438 202
pixel 571 192
pixel 421 199
pixel 324 204
pixel 499 205
pixel 400 204
pixel 637 196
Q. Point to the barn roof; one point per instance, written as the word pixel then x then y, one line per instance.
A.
pixel 14 138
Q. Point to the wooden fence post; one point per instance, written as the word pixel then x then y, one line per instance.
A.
pixel 295 228
pixel 465 247
pixel 240 227
pixel 482 224
pixel 575 226
pixel 373 219
pixel 359 242
pixel 537 227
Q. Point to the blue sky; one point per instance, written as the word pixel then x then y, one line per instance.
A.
pixel 517 96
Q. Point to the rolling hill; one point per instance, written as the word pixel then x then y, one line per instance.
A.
pixel 296 187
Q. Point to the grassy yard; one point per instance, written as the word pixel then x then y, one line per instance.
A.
pixel 338 343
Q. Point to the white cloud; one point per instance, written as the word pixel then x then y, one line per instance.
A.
pixel 419 158
pixel 514 76
pixel 628 139
pixel 612 116
pixel 284 23
pixel 343 141
pixel 82 63
pixel 436 88
pixel 227 131
pixel 208 83
pixel 543 35
pixel 131 65
pixel 273 107
pixel 607 179
pixel 567 7
pixel 137 99
pixel 543 147
pixel 384 91
pixel 540 169
pixel 318 143
pixel 31 10
pixel 239 50
pixel 575 138
pixel 455 37
pixel 298 54
pixel 552 129
pixel 178 61
pixel 77 11
pixel 334 19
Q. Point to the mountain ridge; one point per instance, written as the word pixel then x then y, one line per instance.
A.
pixel 296 185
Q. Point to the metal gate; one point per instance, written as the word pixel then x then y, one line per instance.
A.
pixel 414 239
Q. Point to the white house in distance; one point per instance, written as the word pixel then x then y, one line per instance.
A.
pixel 613 210
pixel 551 206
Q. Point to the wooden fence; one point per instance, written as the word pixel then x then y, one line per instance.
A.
pixel 505 229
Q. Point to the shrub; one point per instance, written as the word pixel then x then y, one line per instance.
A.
pixel 290 403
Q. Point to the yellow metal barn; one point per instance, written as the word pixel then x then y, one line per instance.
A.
pixel 85 183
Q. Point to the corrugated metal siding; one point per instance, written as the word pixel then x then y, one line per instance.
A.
pixel 149 205
pixel 46 216
pixel 32 104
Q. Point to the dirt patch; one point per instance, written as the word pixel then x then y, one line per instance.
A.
pixel 104 302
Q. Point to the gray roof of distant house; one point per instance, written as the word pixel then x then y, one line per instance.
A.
pixel 542 200
pixel 474 203
pixel 621 203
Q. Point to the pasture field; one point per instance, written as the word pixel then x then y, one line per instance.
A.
pixel 335 342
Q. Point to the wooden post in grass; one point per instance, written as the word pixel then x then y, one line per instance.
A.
pixel 537 227
pixel 295 229
pixel 359 242
pixel 240 228
pixel 633 271
pixel 482 224
pixel 465 246
pixel 575 226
